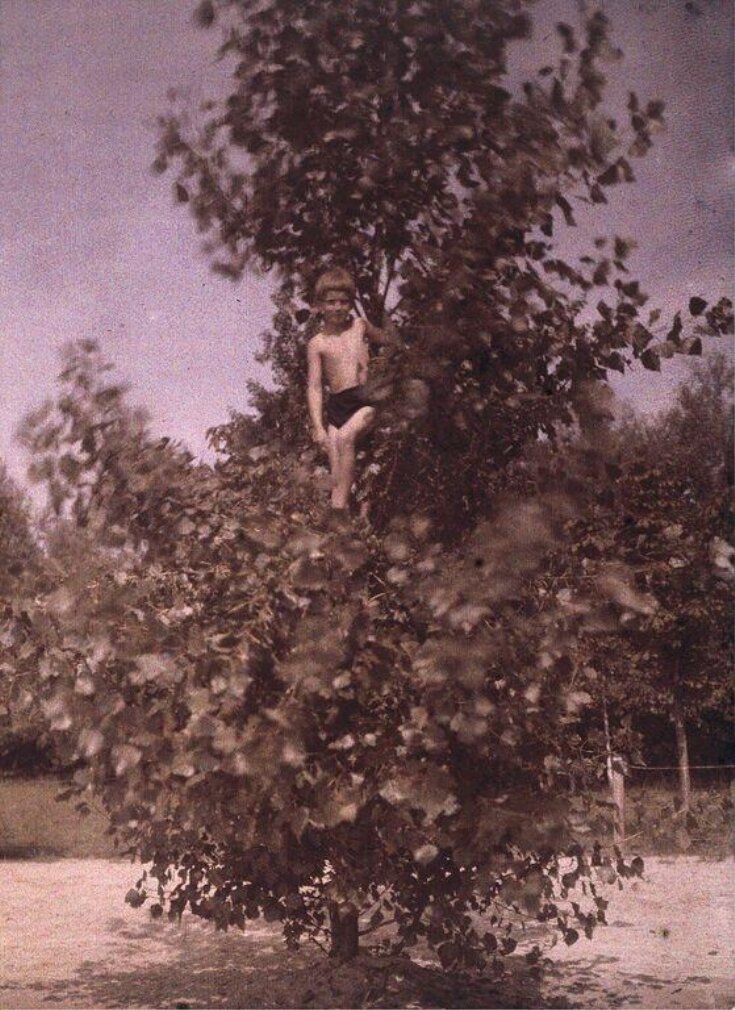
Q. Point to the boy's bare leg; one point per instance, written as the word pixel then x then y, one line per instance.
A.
pixel 333 453
pixel 345 440
pixel 345 474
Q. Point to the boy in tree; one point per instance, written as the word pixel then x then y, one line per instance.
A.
pixel 339 354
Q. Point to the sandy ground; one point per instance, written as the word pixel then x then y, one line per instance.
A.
pixel 670 942
pixel 68 940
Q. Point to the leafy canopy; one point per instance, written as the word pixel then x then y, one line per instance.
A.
pixel 387 137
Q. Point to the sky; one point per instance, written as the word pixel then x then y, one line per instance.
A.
pixel 93 245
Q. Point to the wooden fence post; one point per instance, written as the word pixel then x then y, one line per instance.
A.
pixel 617 787
pixel 616 778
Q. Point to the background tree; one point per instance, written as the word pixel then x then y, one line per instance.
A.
pixel 659 535
pixel 20 564
pixel 18 546
pixel 676 503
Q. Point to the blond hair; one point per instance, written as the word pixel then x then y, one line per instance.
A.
pixel 337 279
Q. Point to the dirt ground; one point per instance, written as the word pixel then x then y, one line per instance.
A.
pixel 68 940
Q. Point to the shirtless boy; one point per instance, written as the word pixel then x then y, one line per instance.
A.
pixel 339 354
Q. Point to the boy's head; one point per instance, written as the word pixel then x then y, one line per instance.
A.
pixel 334 294
pixel 337 279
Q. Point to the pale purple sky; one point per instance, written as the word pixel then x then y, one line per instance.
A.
pixel 92 245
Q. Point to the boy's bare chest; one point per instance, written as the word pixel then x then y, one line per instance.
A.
pixel 343 348
pixel 342 355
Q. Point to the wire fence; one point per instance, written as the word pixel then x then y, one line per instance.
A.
pixel 649 802
pixel 662 768
pixel 704 776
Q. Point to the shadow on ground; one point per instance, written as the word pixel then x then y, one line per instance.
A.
pixel 207 969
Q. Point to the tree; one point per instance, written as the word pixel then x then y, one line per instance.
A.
pixel 347 729
pixel 18 547
pixel 20 565
pixel 676 487
pixel 660 537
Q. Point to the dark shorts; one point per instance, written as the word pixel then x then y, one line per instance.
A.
pixel 341 406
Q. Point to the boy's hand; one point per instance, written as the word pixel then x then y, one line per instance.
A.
pixel 320 437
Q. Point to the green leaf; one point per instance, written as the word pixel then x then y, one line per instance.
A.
pixel 204 15
pixel 691 345
pixel 448 954
pixel 566 208
pixel 135 898
pixel 651 359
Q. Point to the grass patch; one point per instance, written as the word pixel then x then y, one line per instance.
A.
pixel 34 825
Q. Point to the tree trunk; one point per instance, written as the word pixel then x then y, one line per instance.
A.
pixel 343 930
pixel 682 748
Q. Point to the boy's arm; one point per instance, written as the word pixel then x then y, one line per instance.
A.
pixel 373 334
pixel 380 335
pixel 314 389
